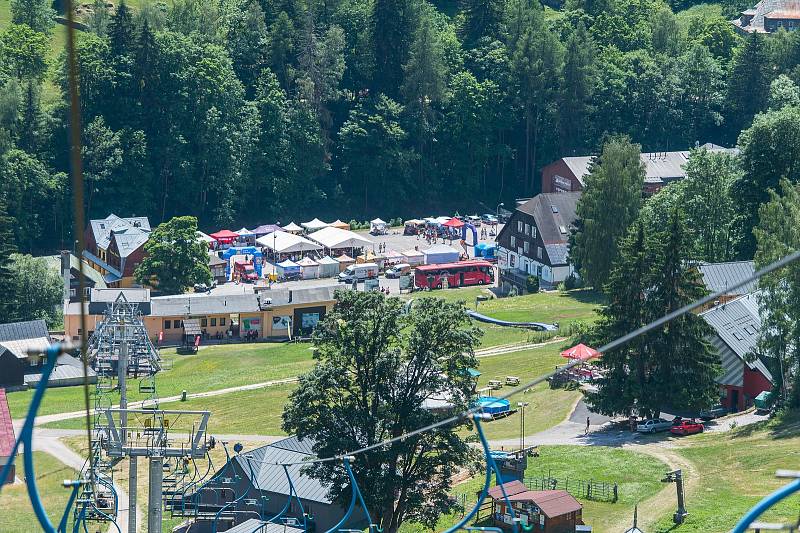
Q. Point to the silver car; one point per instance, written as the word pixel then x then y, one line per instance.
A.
pixel 653 425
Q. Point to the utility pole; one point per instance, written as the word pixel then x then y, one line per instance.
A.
pixel 132 481
pixel 154 493
pixel 676 476
pixel 522 406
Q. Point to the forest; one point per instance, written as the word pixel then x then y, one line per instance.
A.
pixel 242 112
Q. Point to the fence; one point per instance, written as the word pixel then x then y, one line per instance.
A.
pixel 579 488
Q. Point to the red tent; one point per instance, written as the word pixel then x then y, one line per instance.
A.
pixel 581 351
pixel 224 236
pixel 453 223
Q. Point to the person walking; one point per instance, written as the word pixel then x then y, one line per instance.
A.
pixel 587 427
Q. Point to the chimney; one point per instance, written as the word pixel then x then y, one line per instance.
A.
pixel 66 272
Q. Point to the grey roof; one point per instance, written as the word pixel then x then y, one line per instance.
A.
pixel 721 276
pixel 68 368
pixel 272 478
pixel 737 323
pixel 110 295
pixel 102 228
pixel 202 304
pixel 54 263
pixel 659 166
pixel 553 214
pixel 130 239
pixel 32 329
pixel 254 525
pixel 214 260
pixel 299 296
pixel 775 9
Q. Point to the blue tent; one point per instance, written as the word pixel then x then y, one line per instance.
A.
pixel 244 250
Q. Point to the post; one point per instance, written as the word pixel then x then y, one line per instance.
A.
pixel 122 374
pixel 154 494
pixel 132 482
pixel 681 514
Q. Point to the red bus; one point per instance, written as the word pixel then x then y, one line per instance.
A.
pixel 461 274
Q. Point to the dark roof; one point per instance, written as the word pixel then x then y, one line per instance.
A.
pixel 738 323
pixel 254 525
pixel 552 502
pixel 7 437
pixel 272 478
pixel 214 260
pixel 16 331
pixel 721 276
pixel 203 304
pixel 554 214
pixel 511 488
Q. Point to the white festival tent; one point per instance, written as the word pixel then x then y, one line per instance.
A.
pixel 328 267
pixel 244 232
pixel 378 225
pixel 293 228
pixel 284 243
pixel 310 268
pixel 204 237
pixel 337 239
pixel 314 225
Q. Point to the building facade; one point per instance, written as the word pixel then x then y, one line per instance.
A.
pixel 769 16
pixel 546 511
pixel 115 247
pixel 736 326
pixel 535 240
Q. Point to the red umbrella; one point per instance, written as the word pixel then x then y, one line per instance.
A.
pixel 581 351
pixel 453 223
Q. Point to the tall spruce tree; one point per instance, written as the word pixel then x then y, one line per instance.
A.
pixel 394 23
pixel 121 31
pixel 615 179
pixel 7 248
pixel 482 18
pixel 576 92
pixel 748 85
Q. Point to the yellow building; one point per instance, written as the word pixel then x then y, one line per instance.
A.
pixel 270 314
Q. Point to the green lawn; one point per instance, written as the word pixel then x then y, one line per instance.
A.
pixel 16 513
pixel 736 470
pixel 213 367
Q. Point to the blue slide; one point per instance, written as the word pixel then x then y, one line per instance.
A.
pixel 538 326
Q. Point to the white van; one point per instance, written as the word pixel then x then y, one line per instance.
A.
pixel 359 272
pixel 398 270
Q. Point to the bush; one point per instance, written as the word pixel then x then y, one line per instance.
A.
pixel 572 282
pixel 532 284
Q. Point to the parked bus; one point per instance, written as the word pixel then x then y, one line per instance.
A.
pixel 461 274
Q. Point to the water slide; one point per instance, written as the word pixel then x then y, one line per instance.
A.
pixel 538 326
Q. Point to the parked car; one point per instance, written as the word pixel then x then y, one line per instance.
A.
pixel 654 425
pixel 512 380
pixel 490 219
pixel 202 287
pixel 359 272
pixel 687 427
pixel 715 412
pixel 398 270
pixel 495 384
pixel 475 220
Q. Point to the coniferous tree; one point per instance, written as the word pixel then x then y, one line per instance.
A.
pixel 7 248
pixel 576 92
pixel 121 31
pixel 393 22
pixel 748 85
pixel 37 14
pixel 482 18
pixel 615 179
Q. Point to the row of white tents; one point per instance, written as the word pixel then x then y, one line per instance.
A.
pixel 329 237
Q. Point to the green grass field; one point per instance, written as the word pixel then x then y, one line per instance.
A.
pixel 213 367
pixel 736 470
pixel 16 513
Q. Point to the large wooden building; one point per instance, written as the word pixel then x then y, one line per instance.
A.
pixel 736 327
pixel 115 247
pixel 535 240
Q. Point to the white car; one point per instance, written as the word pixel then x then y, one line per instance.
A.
pixel 653 425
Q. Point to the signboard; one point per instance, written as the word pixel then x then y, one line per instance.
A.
pixel 281 322
pixel 251 324
pixel 502 258
pixel 406 282
pixel 309 320
pixel 561 184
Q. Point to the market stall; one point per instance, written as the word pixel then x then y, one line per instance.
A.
pixel 393 257
pixel 288 270
pixel 208 239
pixel 246 236
pixel 266 229
pixel 292 228
pixel 314 225
pixel 309 268
pixel 328 267
pixel 340 239
pixel 378 227
pixel 224 237
pixel 345 261
pixel 339 224
pixel 441 253
pixel 281 243
pixel 414 257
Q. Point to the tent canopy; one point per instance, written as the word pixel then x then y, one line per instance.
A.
pixel 288 264
pixel 203 237
pixel 413 253
pixel 331 237
pixel 328 260
pixel 307 262
pixel 580 351
pixel 292 227
pixel 339 224
pixel 315 224
pixel 224 235
pixel 282 242
pixel 377 222
pixel 266 229
pixel 453 223
pixel 244 232
pixel 391 254
pixel 344 258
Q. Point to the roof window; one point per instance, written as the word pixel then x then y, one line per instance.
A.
pixel 554 208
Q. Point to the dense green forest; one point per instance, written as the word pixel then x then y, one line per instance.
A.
pixel 249 111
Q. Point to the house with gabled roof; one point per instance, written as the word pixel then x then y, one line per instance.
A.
pixel 549 511
pixel 535 240
pixel 115 247
pixel 736 327
pixel 769 16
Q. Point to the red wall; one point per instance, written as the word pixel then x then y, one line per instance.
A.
pixel 754 383
pixel 560 168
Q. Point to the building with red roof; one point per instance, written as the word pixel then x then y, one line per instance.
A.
pixel 548 511
pixel 7 437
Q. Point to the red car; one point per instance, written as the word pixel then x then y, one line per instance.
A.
pixel 687 427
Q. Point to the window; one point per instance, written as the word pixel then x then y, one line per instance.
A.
pixel 539 252
pixel 519 250
pixel 167 324
pixel 533 231
pixel 203 322
pixel 513 241
pixel 519 226
pixel 213 321
pixel 176 324
pixel 222 321
pixel 526 246
pixel 527 229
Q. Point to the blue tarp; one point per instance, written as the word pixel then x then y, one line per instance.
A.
pixel 493 406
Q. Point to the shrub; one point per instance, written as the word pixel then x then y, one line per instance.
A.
pixel 532 284
pixel 572 282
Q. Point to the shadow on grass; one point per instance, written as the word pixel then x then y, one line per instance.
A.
pixel 587 296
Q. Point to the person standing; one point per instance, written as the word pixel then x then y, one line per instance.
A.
pixel 587 427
